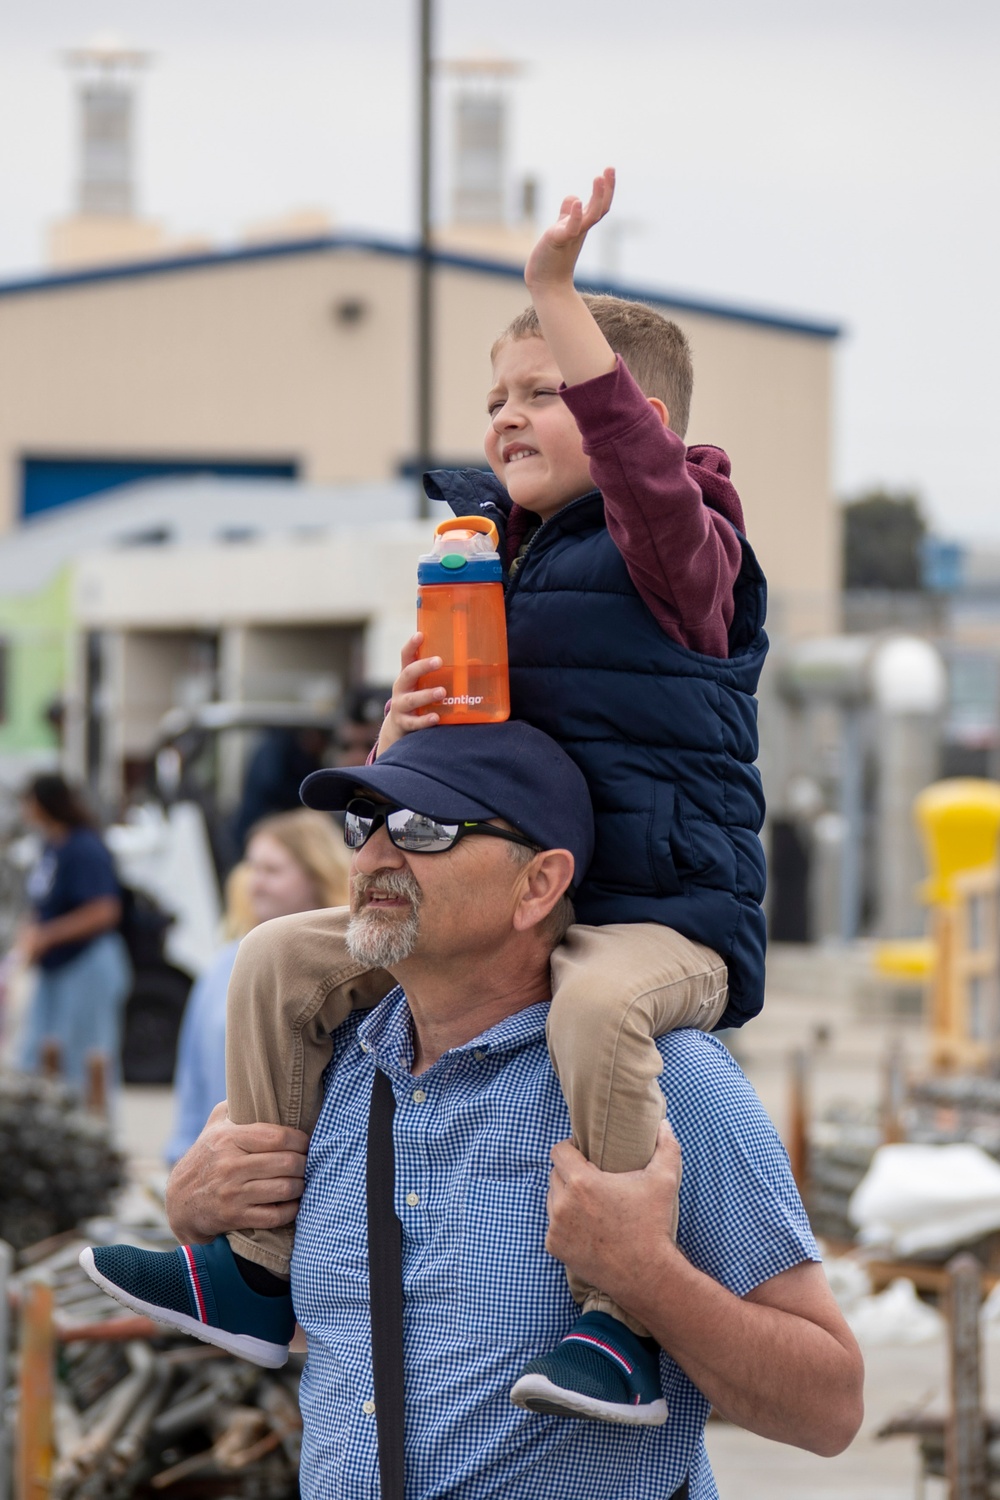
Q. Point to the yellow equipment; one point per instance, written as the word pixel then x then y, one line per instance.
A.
pixel 959 821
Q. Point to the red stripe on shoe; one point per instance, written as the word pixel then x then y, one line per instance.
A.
pixel 586 1338
pixel 192 1271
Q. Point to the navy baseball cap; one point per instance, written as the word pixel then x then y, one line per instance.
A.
pixel 458 773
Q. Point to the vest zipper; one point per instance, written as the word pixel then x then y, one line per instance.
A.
pixel 512 583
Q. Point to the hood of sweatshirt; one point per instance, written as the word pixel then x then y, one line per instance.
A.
pixel 468 491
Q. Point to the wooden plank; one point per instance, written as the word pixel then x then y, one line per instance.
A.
pixel 893 1095
pixel 6 1267
pixel 965 1433
pixel 34 1420
pixel 51 1058
pixel 96 1092
pixel 108 1331
pixel 798 1122
pixel 925 1278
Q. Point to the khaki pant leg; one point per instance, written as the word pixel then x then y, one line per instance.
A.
pixel 614 990
pixel 292 984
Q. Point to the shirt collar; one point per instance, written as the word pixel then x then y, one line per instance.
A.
pixel 387 1033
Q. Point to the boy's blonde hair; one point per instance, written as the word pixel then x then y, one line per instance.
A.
pixel 656 351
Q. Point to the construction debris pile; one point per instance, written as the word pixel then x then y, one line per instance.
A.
pixel 137 1412
pixel 956 1107
pixel 930 1430
pixel 57 1161
pixel 939 1111
pixel 908 1185
pixel 840 1152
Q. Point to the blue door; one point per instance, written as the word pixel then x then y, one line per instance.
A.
pixel 47 483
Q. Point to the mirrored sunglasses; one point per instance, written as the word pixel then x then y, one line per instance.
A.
pixel 413 832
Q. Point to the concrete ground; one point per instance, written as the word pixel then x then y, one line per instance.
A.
pixel 826 1003
pixel 145 1120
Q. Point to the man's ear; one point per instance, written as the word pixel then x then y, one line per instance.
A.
pixel 660 409
pixel 545 880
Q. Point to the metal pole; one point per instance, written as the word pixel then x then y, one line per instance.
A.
pixel 965 1433
pixel 853 814
pixel 425 306
pixel 893 1094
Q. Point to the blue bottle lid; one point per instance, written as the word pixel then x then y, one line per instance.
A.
pixel 452 567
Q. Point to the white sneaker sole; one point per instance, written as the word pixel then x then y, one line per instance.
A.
pixel 257 1351
pixel 536 1393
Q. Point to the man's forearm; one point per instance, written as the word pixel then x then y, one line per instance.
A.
pixel 763 1367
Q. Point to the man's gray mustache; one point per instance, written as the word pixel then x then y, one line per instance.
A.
pixel 389 883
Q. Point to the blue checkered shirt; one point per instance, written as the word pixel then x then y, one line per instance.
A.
pixel 481 1295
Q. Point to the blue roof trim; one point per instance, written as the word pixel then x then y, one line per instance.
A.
pixel 665 299
pixel 285 248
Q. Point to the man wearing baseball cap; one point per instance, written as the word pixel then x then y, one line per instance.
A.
pixel 466 845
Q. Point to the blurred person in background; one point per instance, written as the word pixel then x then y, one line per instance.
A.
pixel 295 861
pixel 359 728
pixel 83 971
pixel 277 768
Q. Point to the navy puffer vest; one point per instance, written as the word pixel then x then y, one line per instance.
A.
pixel 666 737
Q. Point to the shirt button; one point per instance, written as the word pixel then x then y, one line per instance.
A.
pixel 419 1096
pixel 365 1047
pixel 412 1199
pixel 479 1054
pixel 368 1407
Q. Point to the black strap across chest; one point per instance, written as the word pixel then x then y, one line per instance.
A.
pixel 385 1274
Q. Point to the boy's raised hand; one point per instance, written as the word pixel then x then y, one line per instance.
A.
pixel 403 716
pixel 553 260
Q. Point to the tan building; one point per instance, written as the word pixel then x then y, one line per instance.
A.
pixel 297 359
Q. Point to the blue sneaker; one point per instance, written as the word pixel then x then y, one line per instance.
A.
pixel 198 1290
pixel 601 1371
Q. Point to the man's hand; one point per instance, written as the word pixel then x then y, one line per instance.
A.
pixel 780 1361
pixel 236 1177
pixel 553 260
pixel 611 1228
pixel 403 716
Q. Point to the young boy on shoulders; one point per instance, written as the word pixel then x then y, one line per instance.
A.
pixel 635 625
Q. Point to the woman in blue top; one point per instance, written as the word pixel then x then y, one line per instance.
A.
pixel 294 861
pixel 84 975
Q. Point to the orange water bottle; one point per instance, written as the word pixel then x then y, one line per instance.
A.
pixel 460 611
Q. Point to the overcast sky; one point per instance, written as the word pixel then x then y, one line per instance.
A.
pixel 834 161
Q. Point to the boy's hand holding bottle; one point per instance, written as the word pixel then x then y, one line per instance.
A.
pixel 460 608
pixel 411 706
pixel 581 352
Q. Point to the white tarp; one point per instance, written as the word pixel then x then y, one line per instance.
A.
pixel 896 1316
pixel 848 1280
pixel 919 1198
pixel 168 856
